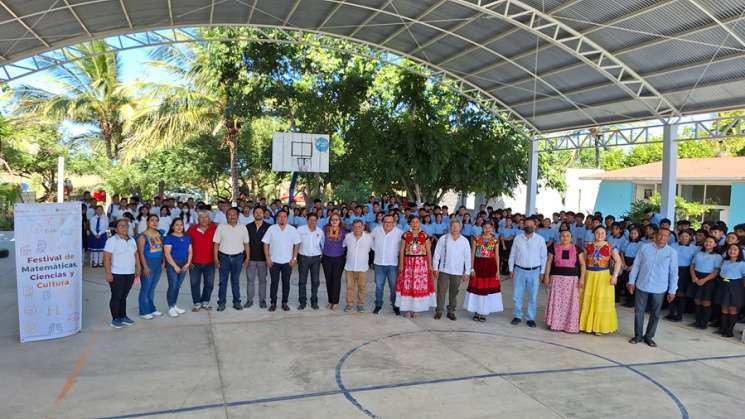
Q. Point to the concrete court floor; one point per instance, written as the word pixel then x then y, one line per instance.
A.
pixel 323 364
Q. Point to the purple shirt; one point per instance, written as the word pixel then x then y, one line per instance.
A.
pixel 333 248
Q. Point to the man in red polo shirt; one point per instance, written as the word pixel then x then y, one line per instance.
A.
pixel 203 262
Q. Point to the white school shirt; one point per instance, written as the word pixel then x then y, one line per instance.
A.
pixel 528 252
pixel 122 254
pixel 311 242
pixel 242 219
pixel 281 242
pixel 102 226
pixel 231 238
pixel 155 210
pixel 219 217
pixel 386 246
pixel 358 252
pixel 175 212
pixel 452 256
pixel 164 223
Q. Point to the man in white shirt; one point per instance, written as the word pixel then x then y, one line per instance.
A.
pixel 309 260
pixel 122 267
pixel 280 246
pixel 231 252
pixel 358 246
pixel 386 245
pixel 451 264
pixel 526 263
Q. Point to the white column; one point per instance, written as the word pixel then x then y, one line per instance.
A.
pixel 532 186
pixel 60 179
pixel 669 170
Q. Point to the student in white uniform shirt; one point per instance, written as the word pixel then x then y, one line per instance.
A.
pixel 98 226
pixel 219 216
pixel 358 244
pixel 309 261
pixel 246 216
pixel 164 224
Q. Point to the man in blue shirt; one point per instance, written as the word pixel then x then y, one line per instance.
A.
pixel 654 273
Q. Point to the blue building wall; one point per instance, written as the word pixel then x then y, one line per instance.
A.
pixel 615 197
pixel 737 204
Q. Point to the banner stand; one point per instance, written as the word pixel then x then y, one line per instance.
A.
pixel 49 274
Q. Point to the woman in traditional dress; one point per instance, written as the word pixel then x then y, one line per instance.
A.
pixel 564 277
pixel 483 295
pixel 415 288
pixel 598 314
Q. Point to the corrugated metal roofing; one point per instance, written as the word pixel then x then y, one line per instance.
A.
pixel 662 58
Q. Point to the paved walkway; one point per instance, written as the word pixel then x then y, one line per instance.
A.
pixel 323 364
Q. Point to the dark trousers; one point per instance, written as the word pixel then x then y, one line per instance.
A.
pixel 230 266
pixel 333 268
pixel 120 287
pixel 641 300
pixel 275 271
pixel 196 273
pixel 310 264
pixel 447 284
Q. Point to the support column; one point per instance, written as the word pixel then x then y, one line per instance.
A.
pixel 669 171
pixel 532 185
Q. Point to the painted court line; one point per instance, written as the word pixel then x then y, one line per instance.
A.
pixel 73 375
pixel 421 383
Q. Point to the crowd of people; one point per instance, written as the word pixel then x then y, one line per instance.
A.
pixel 423 252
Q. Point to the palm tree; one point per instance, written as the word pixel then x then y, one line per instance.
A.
pixel 91 92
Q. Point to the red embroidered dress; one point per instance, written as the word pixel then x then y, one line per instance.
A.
pixel 483 294
pixel 415 289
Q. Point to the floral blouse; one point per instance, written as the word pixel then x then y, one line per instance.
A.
pixel 599 257
pixel 415 245
pixel 486 248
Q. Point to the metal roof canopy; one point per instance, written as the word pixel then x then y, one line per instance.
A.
pixel 552 65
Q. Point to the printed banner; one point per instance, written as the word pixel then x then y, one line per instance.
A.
pixel 49 261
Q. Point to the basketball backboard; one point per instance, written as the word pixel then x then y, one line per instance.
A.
pixel 300 152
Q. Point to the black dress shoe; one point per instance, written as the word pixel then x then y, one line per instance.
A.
pixel 248 304
pixel 262 304
pixel 273 307
pixel 531 323
pixel 221 307
pixel 438 315
pixel 451 316
pixel 301 307
pixel 397 310
pixel 515 321
pixel 650 342
pixel 285 307
pixel 238 306
pixel 314 306
pixel 377 309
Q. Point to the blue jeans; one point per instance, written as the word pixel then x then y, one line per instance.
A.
pixel 148 284
pixel 525 281
pixel 381 273
pixel 230 266
pixel 174 282
pixel 197 271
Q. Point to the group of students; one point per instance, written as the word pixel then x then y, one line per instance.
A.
pixel 587 264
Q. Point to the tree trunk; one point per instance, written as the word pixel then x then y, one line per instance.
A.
pixel 231 140
pixel 107 134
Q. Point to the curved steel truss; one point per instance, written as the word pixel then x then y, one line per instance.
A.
pixel 152 39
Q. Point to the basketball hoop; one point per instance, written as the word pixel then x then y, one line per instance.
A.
pixel 303 164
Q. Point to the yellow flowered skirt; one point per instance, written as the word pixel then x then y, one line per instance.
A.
pixel 598 313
